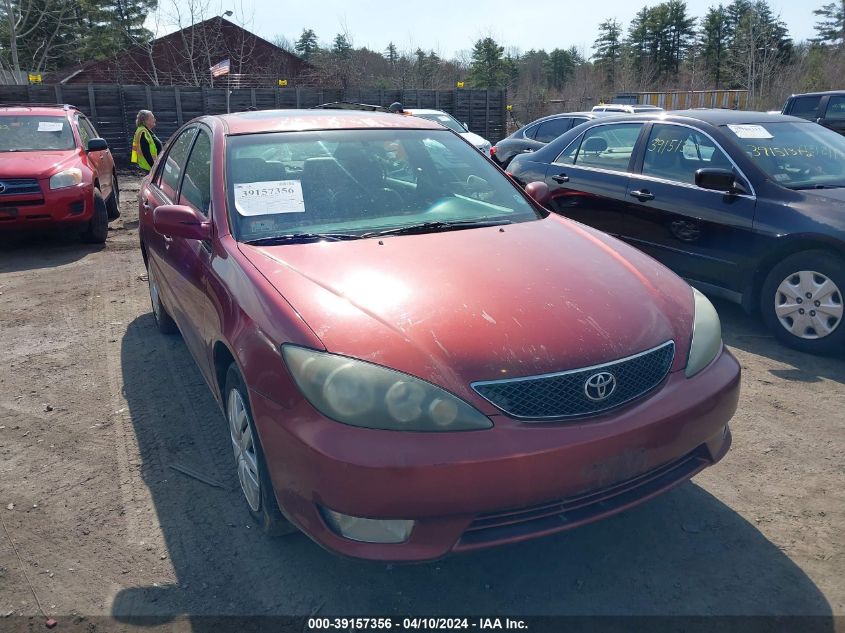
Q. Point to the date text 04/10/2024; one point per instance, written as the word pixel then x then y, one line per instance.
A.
pixel 414 624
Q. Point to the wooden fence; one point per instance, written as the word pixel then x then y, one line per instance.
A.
pixel 112 108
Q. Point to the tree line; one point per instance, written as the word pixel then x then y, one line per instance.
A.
pixel 740 44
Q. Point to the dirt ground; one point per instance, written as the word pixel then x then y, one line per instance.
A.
pixel 96 408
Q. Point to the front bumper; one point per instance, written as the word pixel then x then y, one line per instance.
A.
pixel 52 207
pixel 513 482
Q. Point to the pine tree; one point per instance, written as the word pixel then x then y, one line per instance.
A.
pixel 487 69
pixel 306 45
pixel 608 49
pixel 391 55
pixel 831 28
pixel 560 68
pixel 342 47
pixel 714 40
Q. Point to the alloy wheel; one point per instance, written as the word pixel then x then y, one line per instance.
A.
pixel 243 444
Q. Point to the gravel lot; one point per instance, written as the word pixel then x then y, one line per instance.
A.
pixel 96 407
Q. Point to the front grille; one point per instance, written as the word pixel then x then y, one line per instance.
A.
pixel 19 187
pixel 565 394
pixel 567 513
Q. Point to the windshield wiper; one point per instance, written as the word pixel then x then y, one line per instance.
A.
pixel 805 187
pixel 437 226
pixel 300 237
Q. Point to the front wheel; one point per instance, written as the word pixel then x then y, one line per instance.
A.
pixel 164 322
pixel 98 227
pixel 249 459
pixel 113 203
pixel 802 302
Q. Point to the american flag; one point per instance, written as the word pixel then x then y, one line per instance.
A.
pixel 219 69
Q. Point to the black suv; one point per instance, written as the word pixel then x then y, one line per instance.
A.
pixel 826 108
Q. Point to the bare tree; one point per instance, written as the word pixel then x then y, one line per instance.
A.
pixel 33 32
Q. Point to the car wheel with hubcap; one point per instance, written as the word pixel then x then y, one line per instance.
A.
pixel 252 470
pixel 98 227
pixel 802 302
pixel 164 322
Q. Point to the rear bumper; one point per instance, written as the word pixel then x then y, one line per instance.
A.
pixel 58 207
pixel 513 482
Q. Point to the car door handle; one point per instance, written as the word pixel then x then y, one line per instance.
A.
pixel 643 196
pixel 561 178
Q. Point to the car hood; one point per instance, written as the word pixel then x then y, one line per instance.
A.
pixel 487 303
pixel 475 139
pixel 40 164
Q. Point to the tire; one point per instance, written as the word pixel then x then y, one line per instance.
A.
pixel 164 322
pixel 814 323
pixel 250 463
pixel 113 203
pixel 98 227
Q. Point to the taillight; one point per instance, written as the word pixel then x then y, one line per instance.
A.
pixel 493 150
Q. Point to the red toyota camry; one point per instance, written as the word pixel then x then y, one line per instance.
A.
pixel 413 356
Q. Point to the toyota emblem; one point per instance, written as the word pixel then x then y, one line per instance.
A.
pixel 2 187
pixel 600 386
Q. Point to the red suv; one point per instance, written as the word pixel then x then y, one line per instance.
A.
pixel 55 171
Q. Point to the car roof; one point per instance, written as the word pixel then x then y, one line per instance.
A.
pixel 36 109
pixel 713 116
pixel 818 94
pixel 425 111
pixel 306 120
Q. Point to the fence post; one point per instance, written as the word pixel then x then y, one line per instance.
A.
pixel 252 96
pixel 178 96
pixel 149 97
pixel 298 99
pixel 487 115
pixel 92 103
pixel 59 93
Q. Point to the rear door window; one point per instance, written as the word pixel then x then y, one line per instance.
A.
pixel 550 130
pixel 608 146
pixel 806 107
pixel 835 109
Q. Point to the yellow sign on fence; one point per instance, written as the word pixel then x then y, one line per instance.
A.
pixel 283 83
pixel 459 84
pixel 35 78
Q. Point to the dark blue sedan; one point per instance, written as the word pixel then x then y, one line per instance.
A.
pixel 744 205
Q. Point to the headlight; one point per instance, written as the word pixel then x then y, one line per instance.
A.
pixel 362 394
pixel 706 335
pixel 66 178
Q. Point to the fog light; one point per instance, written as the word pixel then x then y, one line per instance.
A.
pixel 368 530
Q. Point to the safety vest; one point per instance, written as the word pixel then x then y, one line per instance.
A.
pixel 137 155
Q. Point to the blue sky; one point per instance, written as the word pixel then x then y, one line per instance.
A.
pixel 449 27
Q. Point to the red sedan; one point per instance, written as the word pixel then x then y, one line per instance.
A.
pixel 55 171
pixel 413 356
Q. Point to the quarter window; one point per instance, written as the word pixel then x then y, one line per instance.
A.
pixel 608 146
pixel 174 162
pixel 675 153
pixel 196 186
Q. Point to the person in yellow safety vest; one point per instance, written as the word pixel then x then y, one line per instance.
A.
pixel 145 144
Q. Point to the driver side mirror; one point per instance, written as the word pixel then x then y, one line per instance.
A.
pixel 97 145
pixel 719 180
pixel 176 220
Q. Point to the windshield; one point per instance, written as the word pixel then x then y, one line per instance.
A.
pixel 356 183
pixel 446 120
pixel 32 133
pixel 794 154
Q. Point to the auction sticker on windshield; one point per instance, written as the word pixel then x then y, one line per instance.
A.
pixel 270 197
pixel 50 126
pixel 750 131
